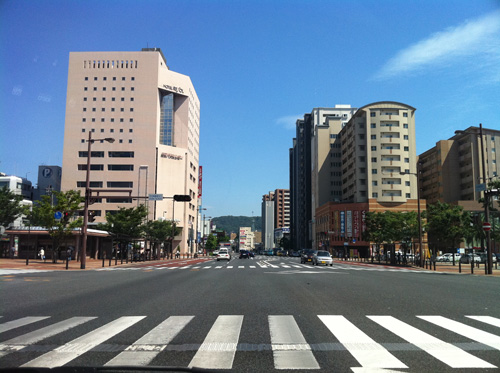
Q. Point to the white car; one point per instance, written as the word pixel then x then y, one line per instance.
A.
pixel 448 258
pixel 223 255
pixel 322 257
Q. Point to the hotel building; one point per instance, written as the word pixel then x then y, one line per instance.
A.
pixel 153 115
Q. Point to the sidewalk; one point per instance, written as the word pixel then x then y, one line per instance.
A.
pixel 440 267
pixel 73 265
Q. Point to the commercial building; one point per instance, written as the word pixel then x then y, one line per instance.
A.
pixel 275 215
pixel 308 162
pixel 452 172
pixel 247 239
pixel 19 186
pixel 378 173
pixel 153 115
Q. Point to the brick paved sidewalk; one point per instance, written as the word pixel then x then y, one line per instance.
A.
pixel 90 264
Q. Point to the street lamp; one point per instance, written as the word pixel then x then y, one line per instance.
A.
pixel 198 218
pixel 90 141
pixel 419 212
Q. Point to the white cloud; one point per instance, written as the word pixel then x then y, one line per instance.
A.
pixel 478 38
pixel 289 121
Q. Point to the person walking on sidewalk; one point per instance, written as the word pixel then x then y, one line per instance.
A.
pixel 42 254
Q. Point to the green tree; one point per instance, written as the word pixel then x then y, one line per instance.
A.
pixel 375 227
pixel 212 243
pixel 69 204
pixel 447 225
pixel 126 224
pixel 10 206
pixel 160 232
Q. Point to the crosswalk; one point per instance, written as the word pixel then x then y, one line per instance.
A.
pixel 236 265
pixel 444 340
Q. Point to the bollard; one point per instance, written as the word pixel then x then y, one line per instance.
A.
pixel 434 265
pixel 116 259
pixel 103 257
pixel 485 268
pixel 472 267
pixel 67 262
pixel 459 267
pixel 110 257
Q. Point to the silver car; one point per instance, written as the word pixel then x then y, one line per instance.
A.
pixel 322 257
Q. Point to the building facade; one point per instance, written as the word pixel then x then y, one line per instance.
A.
pixel 268 220
pixel 452 170
pixel 49 180
pixel 153 115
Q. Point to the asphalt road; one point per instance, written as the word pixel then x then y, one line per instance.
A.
pixel 254 315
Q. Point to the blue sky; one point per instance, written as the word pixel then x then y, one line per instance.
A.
pixel 257 66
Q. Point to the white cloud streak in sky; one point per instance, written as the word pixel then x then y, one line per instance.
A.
pixel 289 121
pixel 478 38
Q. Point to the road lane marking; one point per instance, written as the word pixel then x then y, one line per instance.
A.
pixel 20 322
pixel 20 342
pixel 465 330
pixel 146 348
pixel 290 349
pixel 443 351
pixel 486 319
pixel 79 346
pixel 365 350
pixel 219 347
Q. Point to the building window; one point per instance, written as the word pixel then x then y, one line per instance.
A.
pixel 374 148
pixel 372 114
pixel 84 109
pixel 113 109
pixel 120 141
pixel 111 130
pixel 104 98
pixel 405 125
pixel 407 183
pixel 122 109
pixel 93 184
pixel 374 183
pixel 103 109
pixel 85 99
pixel 95 88
pixel 130 141
pixel 405 115
pixel 121 119
pixel 93 167
pixel 133 78
pixel 95 78
pixel 374 159
pixel 375 195
pixel 373 137
pixel 406 148
pixel 84 119
pixel 112 119
pixel 131 109
pixel 94 99
pixel 374 171
pixel 120 167
pixel 102 119
pixel 373 125
pixel 113 99
pixel 131 120
pixel 93 109
pixel 83 129
pixel 406 137
pixel 408 195
pixel 93 119
pixel 120 184
pixel 407 160
pixel 123 99
pixel 85 88
pixel 86 78
pixel 103 88
pixel 113 89
pixel 102 129
pixel 131 99
pixel 114 78
pixel 123 78
pixel 132 88
pixel 121 130
pixel 120 154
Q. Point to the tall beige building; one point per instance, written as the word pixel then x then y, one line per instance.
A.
pixel 153 114
pixel 379 154
pixel 452 170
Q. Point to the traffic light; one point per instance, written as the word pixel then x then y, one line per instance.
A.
pixel 182 198
pixel 66 217
pixel 91 216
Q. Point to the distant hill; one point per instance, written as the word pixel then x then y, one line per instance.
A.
pixel 232 224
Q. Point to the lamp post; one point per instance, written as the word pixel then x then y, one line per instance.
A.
pixel 90 141
pixel 198 218
pixel 419 212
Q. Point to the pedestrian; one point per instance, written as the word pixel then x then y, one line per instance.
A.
pixel 13 252
pixel 177 254
pixel 68 253
pixel 42 254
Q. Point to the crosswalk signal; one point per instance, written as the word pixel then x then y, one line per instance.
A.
pixel 91 216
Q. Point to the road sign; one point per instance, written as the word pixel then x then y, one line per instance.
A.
pixel 480 187
pixel 486 226
pixel 156 197
pixel 58 215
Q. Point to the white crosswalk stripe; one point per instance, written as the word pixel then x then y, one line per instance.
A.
pixel 445 352
pixel 288 344
pixel 79 346
pixel 290 349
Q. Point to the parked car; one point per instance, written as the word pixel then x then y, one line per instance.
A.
pixel 223 255
pixel 467 258
pixel 322 257
pixel 307 256
pixel 448 257
pixel 244 254
pixel 484 257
